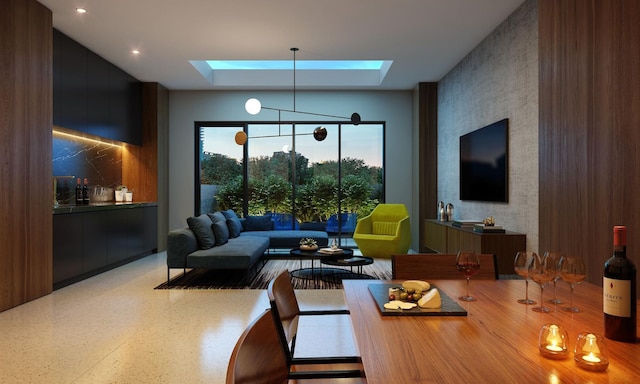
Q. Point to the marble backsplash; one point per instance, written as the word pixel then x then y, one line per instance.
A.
pixel 99 162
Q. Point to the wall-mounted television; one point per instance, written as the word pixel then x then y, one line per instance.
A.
pixel 483 163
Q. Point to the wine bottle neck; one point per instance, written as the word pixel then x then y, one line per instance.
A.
pixel 620 251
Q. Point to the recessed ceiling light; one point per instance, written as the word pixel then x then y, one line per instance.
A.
pixel 81 10
pixel 135 52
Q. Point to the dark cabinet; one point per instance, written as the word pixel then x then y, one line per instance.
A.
pixel 98 96
pixel 67 246
pixel 87 243
pixel 93 96
pixel 94 241
pixel 70 83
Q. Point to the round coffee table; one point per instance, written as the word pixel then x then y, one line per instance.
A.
pixel 338 274
pixel 348 261
pixel 314 273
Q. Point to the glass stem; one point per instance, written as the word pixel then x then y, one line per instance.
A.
pixel 571 298
pixel 526 289
pixel 541 295
pixel 467 287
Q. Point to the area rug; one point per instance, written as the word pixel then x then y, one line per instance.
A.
pixel 326 278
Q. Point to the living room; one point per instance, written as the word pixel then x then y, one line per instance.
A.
pixel 566 170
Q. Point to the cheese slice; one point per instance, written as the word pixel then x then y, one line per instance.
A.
pixel 397 304
pixel 431 299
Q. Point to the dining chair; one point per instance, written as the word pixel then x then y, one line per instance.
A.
pixel 286 313
pixel 258 358
pixel 434 266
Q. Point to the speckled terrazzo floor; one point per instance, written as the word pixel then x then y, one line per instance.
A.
pixel 115 328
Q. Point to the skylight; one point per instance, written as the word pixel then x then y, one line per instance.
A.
pixel 278 73
pixel 326 65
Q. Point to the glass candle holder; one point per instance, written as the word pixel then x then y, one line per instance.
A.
pixel 553 342
pixel 590 352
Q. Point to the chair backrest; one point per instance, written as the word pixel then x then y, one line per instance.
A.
pixel 434 266
pixel 258 356
pixel 285 306
pixel 389 212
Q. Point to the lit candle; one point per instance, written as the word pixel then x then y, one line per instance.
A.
pixel 554 339
pixel 590 358
pixel 554 348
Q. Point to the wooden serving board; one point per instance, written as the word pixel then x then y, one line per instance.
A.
pixel 450 307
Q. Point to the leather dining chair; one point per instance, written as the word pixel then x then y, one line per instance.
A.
pixel 286 313
pixel 434 266
pixel 258 358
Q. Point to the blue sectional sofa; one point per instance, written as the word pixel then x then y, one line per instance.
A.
pixel 221 240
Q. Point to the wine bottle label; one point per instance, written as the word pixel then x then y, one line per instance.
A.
pixel 616 297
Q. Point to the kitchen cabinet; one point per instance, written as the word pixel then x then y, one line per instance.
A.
pixel 89 240
pixel 443 237
pixel 93 96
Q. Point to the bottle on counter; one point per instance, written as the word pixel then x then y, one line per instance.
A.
pixel 85 192
pixel 79 199
pixel 619 291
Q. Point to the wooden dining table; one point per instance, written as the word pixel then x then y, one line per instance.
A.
pixel 496 342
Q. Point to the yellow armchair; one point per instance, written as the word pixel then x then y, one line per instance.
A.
pixel 386 231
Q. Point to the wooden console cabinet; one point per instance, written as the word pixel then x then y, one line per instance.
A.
pixel 443 237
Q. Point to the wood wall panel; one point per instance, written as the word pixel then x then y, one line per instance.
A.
pixel 428 154
pixel 140 163
pixel 25 152
pixel 589 115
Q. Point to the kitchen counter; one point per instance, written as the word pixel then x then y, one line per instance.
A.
pixel 94 207
pixel 91 239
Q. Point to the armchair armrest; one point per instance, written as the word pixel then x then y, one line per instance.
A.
pixel 364 225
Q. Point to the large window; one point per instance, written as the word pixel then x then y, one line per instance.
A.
pixel 283 171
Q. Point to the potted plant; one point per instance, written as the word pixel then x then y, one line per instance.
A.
pixel 308 244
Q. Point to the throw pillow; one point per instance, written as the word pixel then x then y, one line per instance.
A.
pixel 220 229
pixel 258 223
pixel 233 222
pixel 201 227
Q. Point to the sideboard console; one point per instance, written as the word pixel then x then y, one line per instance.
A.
pixel 443 237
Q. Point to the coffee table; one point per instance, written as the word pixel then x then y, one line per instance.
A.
pixel 313 273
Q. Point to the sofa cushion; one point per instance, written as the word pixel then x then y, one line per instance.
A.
pixel 240 253
pixel 201 227
pixel 290 238
pixel 258 223
pixel 220 228
pixel 385 228
pixel 233 222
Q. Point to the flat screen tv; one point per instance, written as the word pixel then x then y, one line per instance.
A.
pixel 483 163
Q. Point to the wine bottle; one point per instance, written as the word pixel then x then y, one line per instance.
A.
pixel 619 291
pixel 79 200
pixel 85 192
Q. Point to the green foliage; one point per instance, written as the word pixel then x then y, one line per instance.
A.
pixel 218 169
pixel 270 187
pixel 230 195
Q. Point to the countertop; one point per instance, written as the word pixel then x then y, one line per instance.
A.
pixel 93 207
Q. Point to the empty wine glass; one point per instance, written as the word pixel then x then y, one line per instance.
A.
pixel 555 256
pixel 572 271
pixel 542 270
pixel 521 266
pixel 468 264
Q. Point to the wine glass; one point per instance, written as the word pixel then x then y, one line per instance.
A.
pixel 542 270
pixel 467 263
pixel 572 271
pixel 521 266
pixel 556 256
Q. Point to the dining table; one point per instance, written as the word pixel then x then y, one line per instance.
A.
pixel 495 341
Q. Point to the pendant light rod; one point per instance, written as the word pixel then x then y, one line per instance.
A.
pixel 294 50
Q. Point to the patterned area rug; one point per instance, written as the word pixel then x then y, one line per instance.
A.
pixel 322 278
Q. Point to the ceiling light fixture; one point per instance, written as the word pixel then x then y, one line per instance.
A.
pixel 253 106
pixel 81 10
